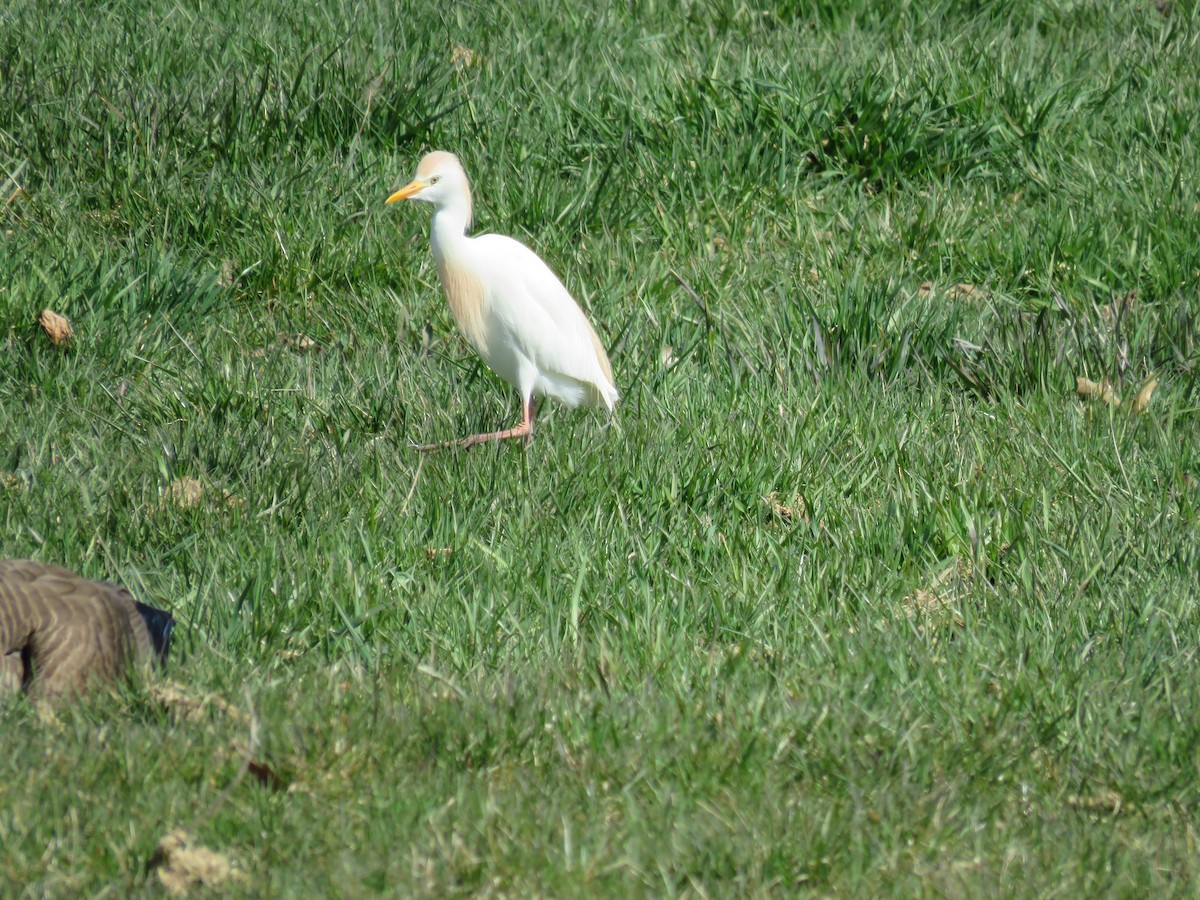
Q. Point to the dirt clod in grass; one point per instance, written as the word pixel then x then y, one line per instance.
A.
pixel 1096 390
pixel 960 291
pixel 300 343
pixel 793 510
pixel 57 328
pixel 940 596
pixel 189 707
pixel 1119 308
pixel 1107 802
pixel 187 492
pixel 1142 400
pixel 183 865
pixel 463 57
pixel 1105 393
pixel 184 492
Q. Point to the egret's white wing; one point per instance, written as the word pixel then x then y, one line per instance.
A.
pixel 541 318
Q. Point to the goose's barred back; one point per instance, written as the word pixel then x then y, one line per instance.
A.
pixel 59 632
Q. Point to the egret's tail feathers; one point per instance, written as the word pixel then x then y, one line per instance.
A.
pixel 608 395
pixel 572 392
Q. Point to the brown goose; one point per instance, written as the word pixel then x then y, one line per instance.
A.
pixel 60 632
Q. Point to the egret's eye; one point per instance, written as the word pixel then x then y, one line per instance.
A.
pixel 435 179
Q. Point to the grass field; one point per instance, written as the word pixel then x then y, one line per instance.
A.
pixel 856 594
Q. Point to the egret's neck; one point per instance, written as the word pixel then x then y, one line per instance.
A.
pixel 450 223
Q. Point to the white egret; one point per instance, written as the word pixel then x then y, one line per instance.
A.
pixel 509 305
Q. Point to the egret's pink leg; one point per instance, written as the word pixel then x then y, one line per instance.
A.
pixel 525 430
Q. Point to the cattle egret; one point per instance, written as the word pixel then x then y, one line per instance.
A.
pixel 509 305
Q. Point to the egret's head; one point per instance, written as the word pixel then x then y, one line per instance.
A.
pixel 440 180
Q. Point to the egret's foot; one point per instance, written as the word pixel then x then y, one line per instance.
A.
pixel 524 430
pixel 432 448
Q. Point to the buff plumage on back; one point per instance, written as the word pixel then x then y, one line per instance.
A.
pixel 605 365
pixel 60 633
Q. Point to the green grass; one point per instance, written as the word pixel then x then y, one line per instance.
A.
pixel 963 660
